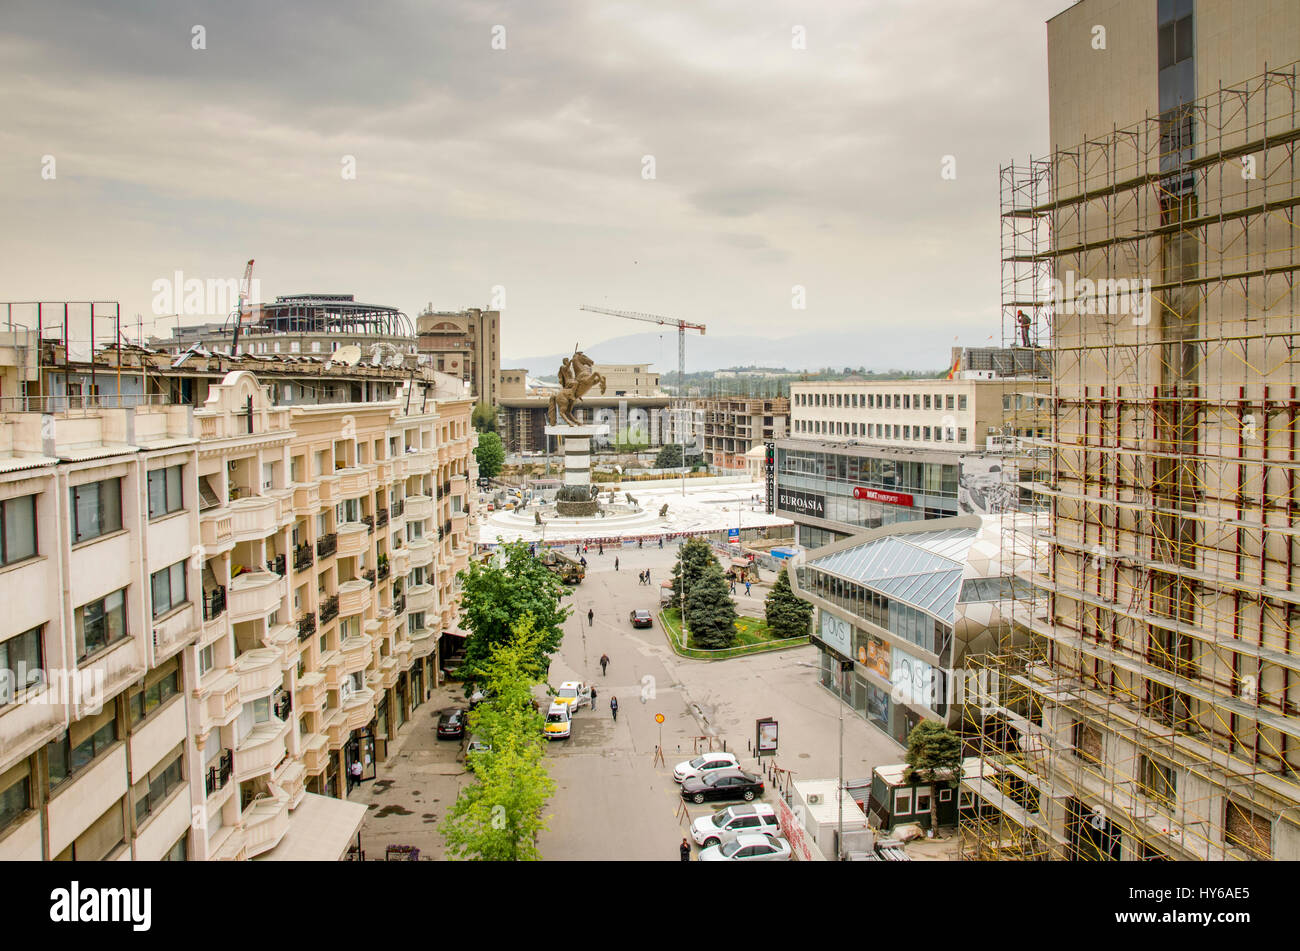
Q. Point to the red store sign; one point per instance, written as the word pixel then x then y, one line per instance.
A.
pixel 875 495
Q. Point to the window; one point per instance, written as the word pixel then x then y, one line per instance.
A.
pixel 165 491
pixel 1087 742
pixel 262 710
pixel 98 842
pixel 961 402
pixel 415 621
pixel 205 660
pixel 923 803
pixel 17 529
pixel 1006 402
pixel 903 802
pixel 80 744
pixel 151 791
pixel 927 401
pixel 947 401
pixel 945 795
pixel 161 683
pixel 168 588
pixel 96 509
pixel 927 433
pixel 100 623
pixel 22 663
pixel 1249 830
pixel 965 798
pixel 961 433
pixel 15 793
pixel 1159 782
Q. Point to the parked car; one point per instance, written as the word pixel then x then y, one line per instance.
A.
pixel 476 745
pixel 451 725
pixel 704 763
pixel 575 694
pixel 748 847
pixel 640 617
pixel 559 722
pixel 734 820
pixel 723 784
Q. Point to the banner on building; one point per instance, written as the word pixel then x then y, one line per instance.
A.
pixel 984 488
pixel 805 503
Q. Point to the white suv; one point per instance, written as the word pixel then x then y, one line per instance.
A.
pixel 704 764
pixel 751 817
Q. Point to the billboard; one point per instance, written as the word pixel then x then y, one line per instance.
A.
pixel 863 494
pixel 874 655
pixel 803 502
pixel 837 634
pixel 984 489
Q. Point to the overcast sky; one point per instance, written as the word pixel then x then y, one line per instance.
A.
pixel 523 168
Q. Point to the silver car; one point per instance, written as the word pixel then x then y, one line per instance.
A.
pixel 748 847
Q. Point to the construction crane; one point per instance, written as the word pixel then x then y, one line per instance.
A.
pixel 681 325
pixel 245 288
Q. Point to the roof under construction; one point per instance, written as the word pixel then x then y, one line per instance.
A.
pixel 328 313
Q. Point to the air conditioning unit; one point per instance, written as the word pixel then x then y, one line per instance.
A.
pixel 815 799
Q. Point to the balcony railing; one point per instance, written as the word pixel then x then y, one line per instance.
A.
pixel 327 545
pixel 214 603
pixel 397 508
pixel 381 518
pixel 306 625
pixel 303 557
pixel 276 564
pixel 369 576
pixel 330 609
pixel 369 521
pixel 384 570
pixel 219 774
pixel 283 704
pixel 446 487
pixel 399 604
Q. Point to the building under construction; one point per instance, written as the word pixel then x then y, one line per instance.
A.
pixel 1156 712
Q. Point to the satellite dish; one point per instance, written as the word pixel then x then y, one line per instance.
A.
pixel 396 361
pixel 348 356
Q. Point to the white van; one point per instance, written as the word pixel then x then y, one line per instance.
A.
pixel 559 722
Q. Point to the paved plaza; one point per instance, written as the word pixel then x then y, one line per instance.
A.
pixel 612 800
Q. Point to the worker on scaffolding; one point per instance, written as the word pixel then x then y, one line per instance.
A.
pixel 1022 319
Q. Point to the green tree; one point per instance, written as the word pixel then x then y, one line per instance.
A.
pixel 710 612
pixel 933 749
pixel 499 816
pixel 787 614
pixel 484 418
pixel 670 457
pixel 691 558
pixel 496 595
pixel 490 453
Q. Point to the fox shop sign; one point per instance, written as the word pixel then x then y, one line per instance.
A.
pixel 803 502
pixel 876 495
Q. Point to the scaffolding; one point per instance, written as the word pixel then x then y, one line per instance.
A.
pixel 1156 711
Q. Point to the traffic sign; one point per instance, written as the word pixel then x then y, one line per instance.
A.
pixel 659 718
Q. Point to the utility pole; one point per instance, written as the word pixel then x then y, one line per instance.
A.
pixel 845 666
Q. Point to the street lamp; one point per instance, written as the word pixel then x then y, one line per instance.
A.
pixel 845 667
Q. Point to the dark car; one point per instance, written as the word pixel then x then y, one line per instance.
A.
pixel 451 725
pixel 723 784
pixel 641 618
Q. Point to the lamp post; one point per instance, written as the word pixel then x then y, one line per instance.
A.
pixel 845 667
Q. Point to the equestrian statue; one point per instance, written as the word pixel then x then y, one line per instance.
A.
pixel 577 376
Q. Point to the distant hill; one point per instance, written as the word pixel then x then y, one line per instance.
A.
pixel 906 349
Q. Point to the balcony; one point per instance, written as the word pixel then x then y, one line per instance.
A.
pixel 354 539
pixel 381 518
pixel 283 639
pixel 219 774
pixel 261 750
pixel 315 753
pixel 354 481
pixel 400 560
pixel 216 529
pixel 388 672
pixel 356 653
pixel 398 508
pixel 311 692
pixel 420 552
pixel 255 594
pixel 259 672
pixel 266 820
pixel 328 488
pixel 329 610
pixel 383 571
pixel 418 507
pixel 227 845
pixel 303 557
pixel 327 545
pixel 306 499
pixel 359 709
pixel 383 472
pixel 370 577
pixel 331 664
pixel 276 565
pixel 420 597
pixel 399 605
pixel 254 517
pixel 423 642
pixel 397 468
pixel 420 462
pixel 336 728
pixel 306 625
pixel 218 700
pixel 291 778
pixel 353 597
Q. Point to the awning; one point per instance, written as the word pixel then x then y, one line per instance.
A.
pixel 320 830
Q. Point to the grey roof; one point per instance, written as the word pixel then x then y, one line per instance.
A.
pixel 922 569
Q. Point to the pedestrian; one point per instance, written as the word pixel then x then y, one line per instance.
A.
pixel 733 585
pixel 585 549
pixel 601 551
pixel 746 587
pixel 355 770
pixel 583 561
pixel 661 542
pixel 616 563
pixel 577 549
pixel 647 576
pixel 604 663
pixel 640 542
pixel 686 850
pixel 591 615
pixel 593 697
pixel 613 707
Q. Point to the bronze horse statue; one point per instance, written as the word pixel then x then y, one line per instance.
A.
pixel 577 376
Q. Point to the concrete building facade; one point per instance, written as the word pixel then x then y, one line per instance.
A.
pixel 464 344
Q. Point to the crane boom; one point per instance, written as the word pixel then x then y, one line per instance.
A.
pixel 245 289
pixel 681 325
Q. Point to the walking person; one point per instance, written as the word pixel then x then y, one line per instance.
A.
pixel 686 850
pixel 593 698
pixel 601 550
pixel 616 563
pixel 604 663
pixel 647 576
pixel 661 542
pixel 355 774
pixel 591 616
pixel 746 587
pixel 613 707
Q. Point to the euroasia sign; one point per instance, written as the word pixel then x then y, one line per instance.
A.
pixel 803 502
pixel 876 495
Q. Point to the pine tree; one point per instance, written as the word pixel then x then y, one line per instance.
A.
pixel 788 615
pixel 710 612
pixel 932 749
pixel 692 557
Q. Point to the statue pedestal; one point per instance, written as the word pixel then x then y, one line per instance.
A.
pixel 574 499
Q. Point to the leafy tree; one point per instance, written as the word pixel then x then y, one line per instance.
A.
pixel 710 612
pixel 490 453
pixel 932 749
pixel 499 816
pixel 670 457
pixel 788 615
pixel 484 418
pixel 495 596
pixel 692 557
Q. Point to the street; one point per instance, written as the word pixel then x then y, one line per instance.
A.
pixel 612 800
